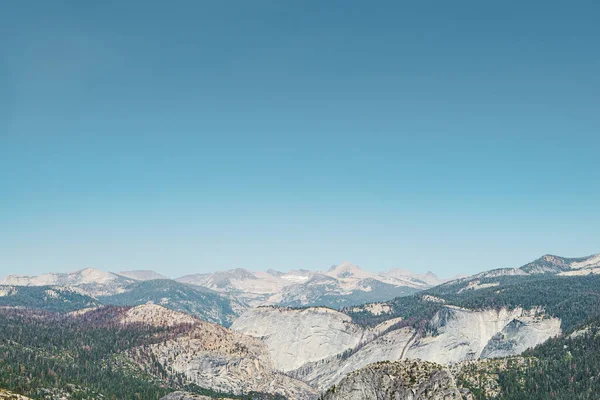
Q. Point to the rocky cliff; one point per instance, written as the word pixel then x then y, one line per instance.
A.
pixel 405 380
pixel 462 334
pixel 320 346
pixel 297 336
pixel 212 356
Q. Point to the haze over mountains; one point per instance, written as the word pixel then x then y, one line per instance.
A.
pixel 342 285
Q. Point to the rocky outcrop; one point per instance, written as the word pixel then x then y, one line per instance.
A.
pixel 405 380
pixel 462 335
pixel 213 357
pixel 519 335
pixel 326 373
pixel 6 395
pixel 298 336
pixel 454 335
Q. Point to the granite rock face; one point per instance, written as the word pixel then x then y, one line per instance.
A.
pixel 519 335
pixel 212 356
pixel 404 380
pixel 298 336
pixel 464 335
pixel 321 346
pixel 326 373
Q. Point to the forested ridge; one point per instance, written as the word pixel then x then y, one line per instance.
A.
pixel 572 299
pixel 564 368
pixel 44 354
pixel 194 300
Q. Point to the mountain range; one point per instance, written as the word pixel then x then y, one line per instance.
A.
pixel 342 285
pixel 514 333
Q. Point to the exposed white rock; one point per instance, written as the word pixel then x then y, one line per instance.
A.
pixel 477 285
pixel 6 395
pixel 297 336
pixel 350 277
pixel 459 335
pixel 50 293
pixel 81 312
pixel 590 262
pixel 428 279
pixel 251 287
pixel 581 272
pixel 214 357
pixel 432 299
pixel 385 325
pixel 500 272
pixel 410 380
pixel 326 373
pixel 374 308
pixel 8 291
pixel 521 334
pixel 464 334
pixel 580 332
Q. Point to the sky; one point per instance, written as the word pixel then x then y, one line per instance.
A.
pixel 194 136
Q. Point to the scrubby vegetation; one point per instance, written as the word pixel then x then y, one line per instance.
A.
pixel 43 354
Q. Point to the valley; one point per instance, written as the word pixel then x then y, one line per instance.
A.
pixel 469 338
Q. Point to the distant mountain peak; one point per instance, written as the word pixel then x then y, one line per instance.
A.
pixel 346 270
pixel 142 275
pixel 552 264
pixel 347 264
pixel 344 266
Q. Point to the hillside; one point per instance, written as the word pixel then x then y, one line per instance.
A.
pixel 122 353
pixel 342 285
pixel 415 380
pixel 573 299
pixel 47 298
pixel 197 301
pixel 563 368
pixel 94 282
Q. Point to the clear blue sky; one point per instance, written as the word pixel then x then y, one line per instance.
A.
pixel 191 136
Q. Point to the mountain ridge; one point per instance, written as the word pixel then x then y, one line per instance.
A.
pixel 342 285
